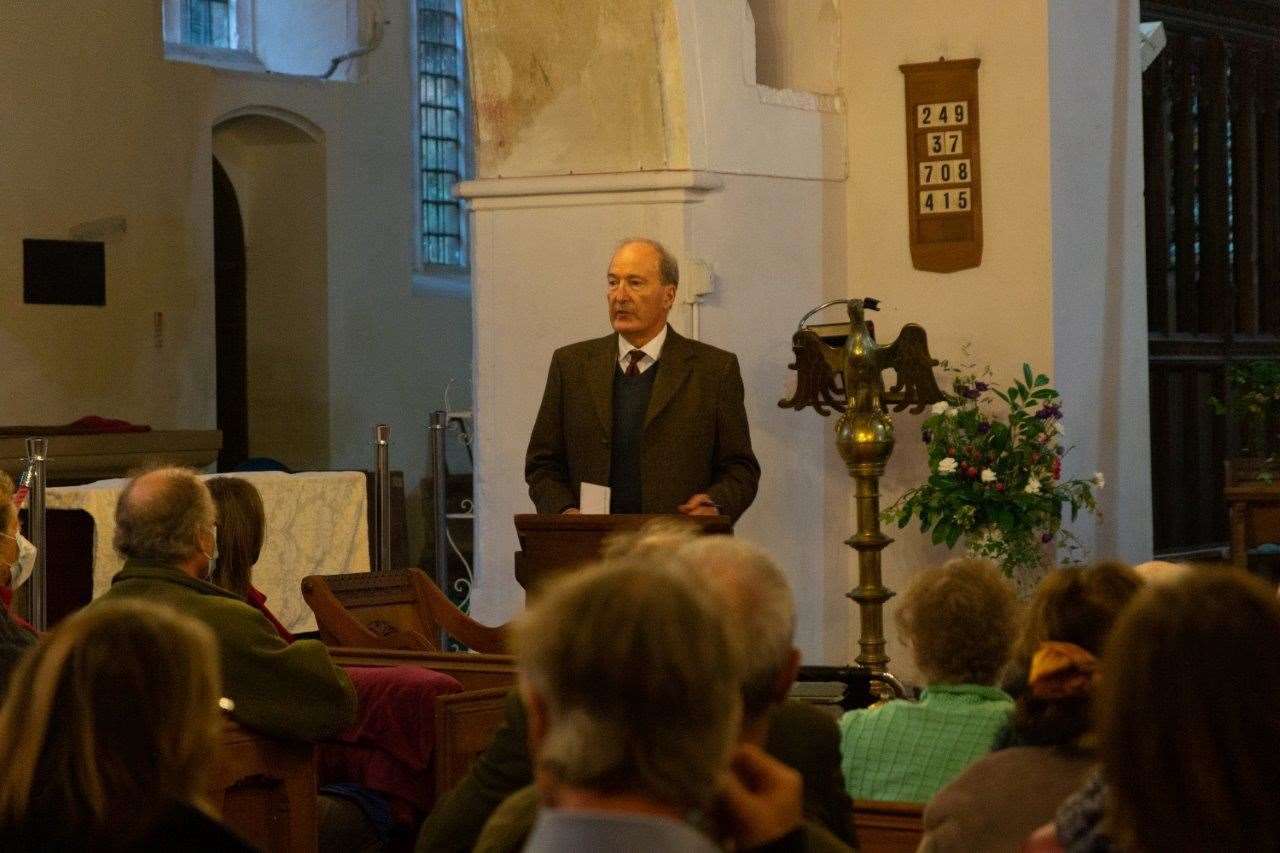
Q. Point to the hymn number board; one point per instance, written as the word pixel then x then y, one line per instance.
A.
pixel 944 194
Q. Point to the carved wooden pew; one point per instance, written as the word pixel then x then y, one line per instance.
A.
pixel 265 789
pixel 392 610
pixel 888 827
pixel 394 619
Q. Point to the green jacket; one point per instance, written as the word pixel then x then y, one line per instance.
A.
pixel 283 689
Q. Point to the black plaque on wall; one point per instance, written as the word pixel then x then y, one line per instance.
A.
pixel 64 272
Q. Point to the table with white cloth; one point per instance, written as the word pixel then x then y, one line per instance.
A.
pixel 317 524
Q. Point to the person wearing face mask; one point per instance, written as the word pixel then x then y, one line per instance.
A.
pixel 166 531
pixel 15 633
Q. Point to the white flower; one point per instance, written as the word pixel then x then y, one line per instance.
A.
pixel 952 412
pixel 947 466
pixel 942 407
pixel 1099 480
pixel 1033 487
pixel 988 476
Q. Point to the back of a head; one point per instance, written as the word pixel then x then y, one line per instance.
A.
pixel 759 606
pixel 241 523
pixel 639 678
pixel 1076 606
pixel 1189 716
pixel 160 514
pixel 959 619
pixel 112 717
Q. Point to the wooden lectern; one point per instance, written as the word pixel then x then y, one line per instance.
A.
pixel 552 544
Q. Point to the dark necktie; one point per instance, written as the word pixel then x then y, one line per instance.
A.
pixel 633 369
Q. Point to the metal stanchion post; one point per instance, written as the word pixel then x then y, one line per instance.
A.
pixel 439 484
pixel 37 451
pixel 382 490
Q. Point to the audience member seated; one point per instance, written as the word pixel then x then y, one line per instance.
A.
pixel 1189 725
pixel 108 733
pixel 756 600
pixel 632 681
pixel 17 554
pixel 959 620
pixel 1002 797
pixel 16 635
pixel 165 530
pixel 242 524
pixel 757 594
pixel 376 774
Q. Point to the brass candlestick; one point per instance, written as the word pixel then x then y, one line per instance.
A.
pixel 847 378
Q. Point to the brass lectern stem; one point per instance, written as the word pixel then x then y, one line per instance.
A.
pixel 870 593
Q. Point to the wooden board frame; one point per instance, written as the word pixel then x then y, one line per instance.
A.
pixel 951 240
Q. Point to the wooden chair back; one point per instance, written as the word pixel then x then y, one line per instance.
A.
pixel 265 789
pixel 1252 494
pixel 888 827
pixel 392 610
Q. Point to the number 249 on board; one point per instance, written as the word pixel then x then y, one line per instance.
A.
pixel 944 201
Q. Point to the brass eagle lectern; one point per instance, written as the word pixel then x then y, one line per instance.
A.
pixel 847 378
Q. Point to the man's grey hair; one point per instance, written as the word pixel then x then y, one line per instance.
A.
pixel 760 607
pixel 668 268
pixel 160 514
pixel 640 679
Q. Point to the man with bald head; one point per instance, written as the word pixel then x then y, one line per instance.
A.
pixel 166 531
pixel 655 416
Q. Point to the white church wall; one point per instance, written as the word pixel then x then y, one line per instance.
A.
pixel 1099 295
pixel 103 126
pixel 77 150
pixel 1060 284
pixel 1004 307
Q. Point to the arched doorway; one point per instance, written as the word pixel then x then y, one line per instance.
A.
pixel 230 321
pixel 274 166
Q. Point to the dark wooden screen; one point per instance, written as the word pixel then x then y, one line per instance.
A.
pixel 1211 113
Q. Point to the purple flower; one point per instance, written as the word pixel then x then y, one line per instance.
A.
pixel 926 436
pixel 984 427
pixel 980 386
pixel 1051 411
pixel 1046 537
pixel 971 393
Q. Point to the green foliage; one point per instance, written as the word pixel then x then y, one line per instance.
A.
pixel 1253 401
pixel 995 471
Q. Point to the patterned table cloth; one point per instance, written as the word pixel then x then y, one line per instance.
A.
pixel 317 524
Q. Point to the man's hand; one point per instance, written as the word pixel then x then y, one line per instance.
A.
pixel 700 504
pixel 761 797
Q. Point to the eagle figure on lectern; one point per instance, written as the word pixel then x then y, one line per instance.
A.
pixel 847 378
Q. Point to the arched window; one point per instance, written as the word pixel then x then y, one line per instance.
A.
pixel 442 136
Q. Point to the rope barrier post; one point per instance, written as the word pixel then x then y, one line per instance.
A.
pixel 382 491
pixel 37 455
pixel 439 495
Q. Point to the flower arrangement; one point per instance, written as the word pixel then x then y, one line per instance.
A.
pixel 995 472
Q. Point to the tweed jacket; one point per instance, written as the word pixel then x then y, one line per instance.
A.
pixel 696 437
pixel 290 690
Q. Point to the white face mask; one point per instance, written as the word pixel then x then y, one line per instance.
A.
pixel 213 558
pixel 21 568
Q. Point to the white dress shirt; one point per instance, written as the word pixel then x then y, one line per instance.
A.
pixel 651 351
